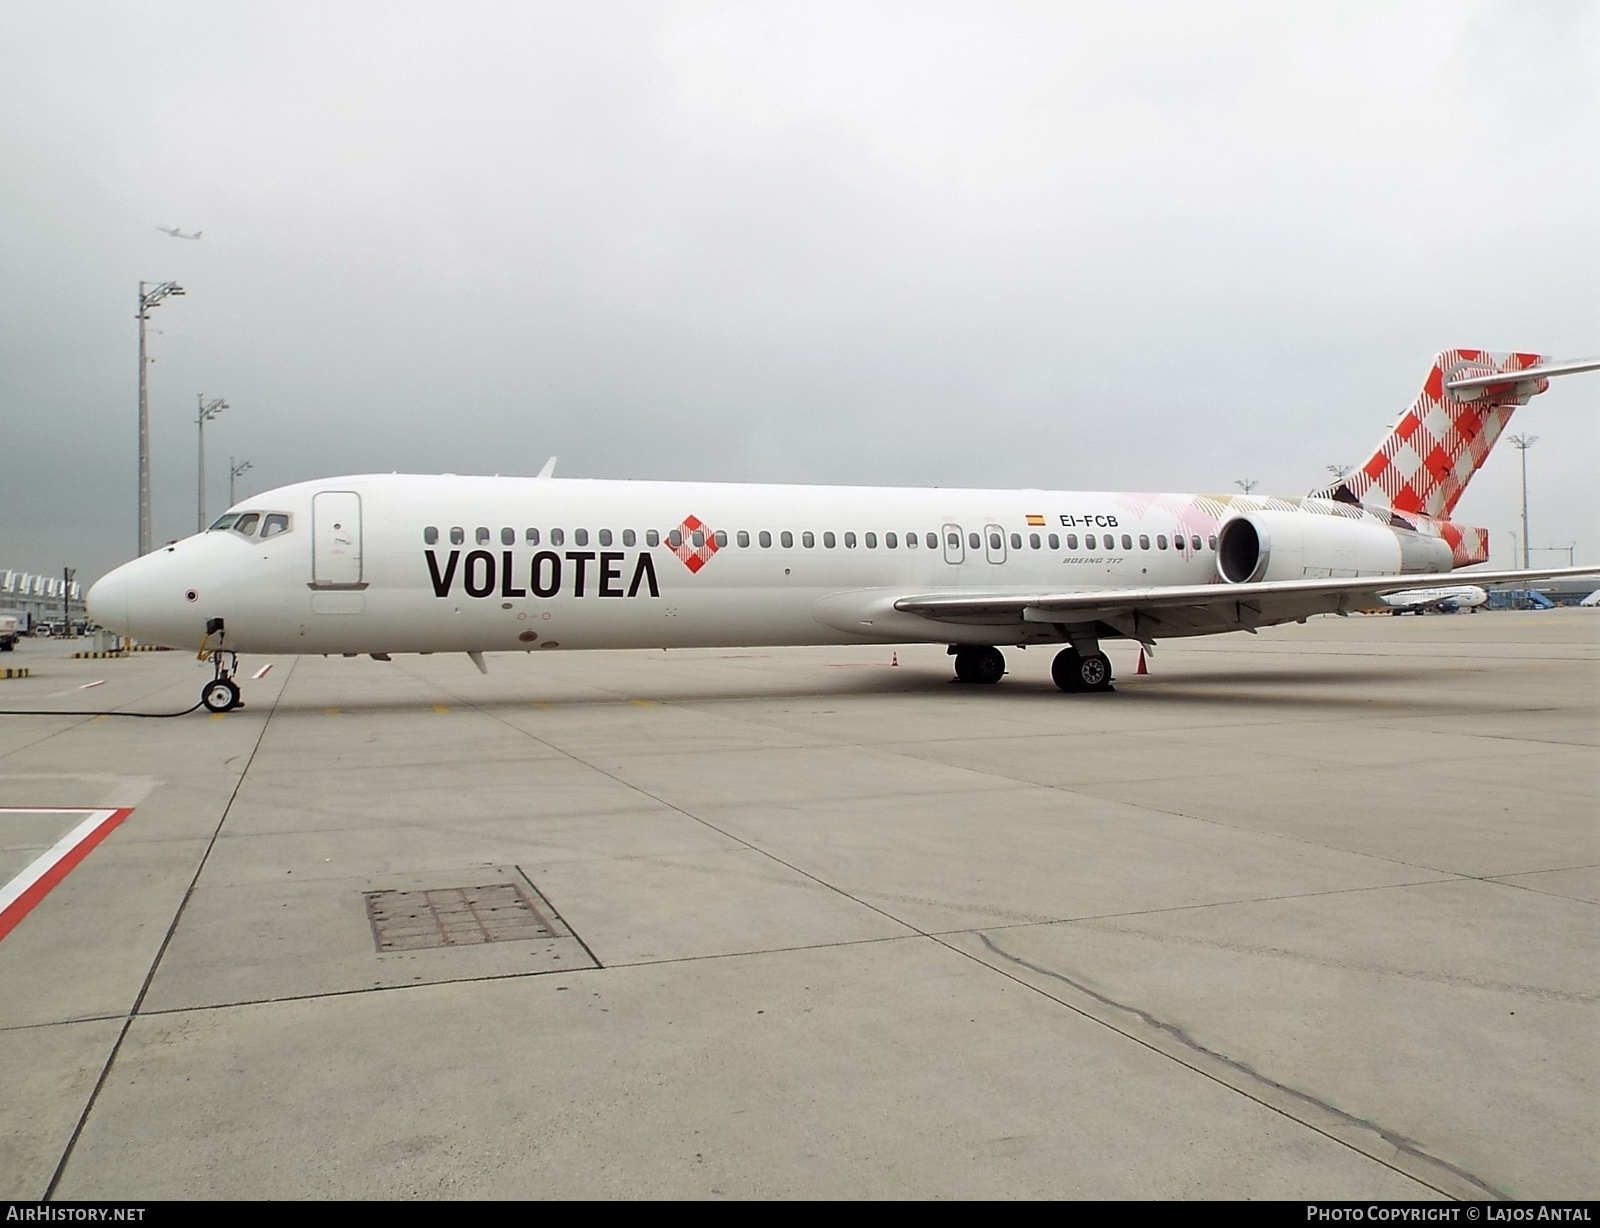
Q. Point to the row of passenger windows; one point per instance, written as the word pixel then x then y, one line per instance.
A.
pixel 891 541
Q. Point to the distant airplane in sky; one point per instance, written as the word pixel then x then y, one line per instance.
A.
pixel 177 232
pixel 386 563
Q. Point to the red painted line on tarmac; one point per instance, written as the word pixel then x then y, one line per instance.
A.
pixel 262 672
pixel 18 897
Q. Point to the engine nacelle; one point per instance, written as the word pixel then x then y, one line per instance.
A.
pixel 1259 546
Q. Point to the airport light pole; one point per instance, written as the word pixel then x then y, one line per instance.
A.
pixel 1522 443
pixel 1340 471
pixel 233 475
pixel 147 299
pixel 207 412
pixel 1246 484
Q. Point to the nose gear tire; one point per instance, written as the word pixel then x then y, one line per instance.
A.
pixel 220 695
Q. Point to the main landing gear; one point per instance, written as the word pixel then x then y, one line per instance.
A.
pixel 221 694
pixel 1090 672
pixel 979 663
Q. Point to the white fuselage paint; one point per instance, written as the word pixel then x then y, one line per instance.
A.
pixel 315 589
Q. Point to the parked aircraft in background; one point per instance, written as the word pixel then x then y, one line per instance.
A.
pixel 383 564
pixel 1446 600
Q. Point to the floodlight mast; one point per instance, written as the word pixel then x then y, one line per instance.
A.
pixel 1522 443
pixel 208 411
pixel 147 299
pixel 233 476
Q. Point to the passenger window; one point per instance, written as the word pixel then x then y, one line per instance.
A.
pixel 890 541
pixel 953 540
pixel 933 541
pixel 531 537
pixel 580 537
pixel 994 541
pixel 698 537
pixel 605 537
pixel 1016 541
pixel 1055 542
pixel 482 536
pixel 675 538
pixel 508 537
pixel 871 541
pixel 721 538
pixel 652 538
pixel 1033 541
pixel 1127 541
pixel 430 536
pixel 787 538
pixel 1213 542
pixel 457 535
pixel 744 539
pixel 558 537
pixel 765 539
pixel 1144 541
pixel 911 541
pixel 1161 541
pixel 274 524
pixel 1072 541
pixel 247 523
pixel 974 541
pixel 849 541
pixel 807 539
pixel 829 540
pixel 629 537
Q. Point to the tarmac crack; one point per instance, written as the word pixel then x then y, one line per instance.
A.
pixel 1178 1035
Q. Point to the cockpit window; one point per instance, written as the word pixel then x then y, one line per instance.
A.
pixel 274 524
pixel 226 522
pixel 247 523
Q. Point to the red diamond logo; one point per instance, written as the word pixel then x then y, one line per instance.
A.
pixel 695 543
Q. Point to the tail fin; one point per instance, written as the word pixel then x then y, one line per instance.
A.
pixel 1439 443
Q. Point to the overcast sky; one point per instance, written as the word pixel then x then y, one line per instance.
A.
pixel 1076 246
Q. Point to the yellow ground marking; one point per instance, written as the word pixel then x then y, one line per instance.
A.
pixel 217 716
pixel 440 708
pixel 643 703
pixel 541 704
pixel 333 712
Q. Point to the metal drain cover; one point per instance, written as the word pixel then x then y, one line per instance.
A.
pixel 459 917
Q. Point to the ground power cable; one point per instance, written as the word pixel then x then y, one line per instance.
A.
pixel 150 716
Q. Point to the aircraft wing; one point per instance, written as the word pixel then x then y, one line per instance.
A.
pixel 1148 613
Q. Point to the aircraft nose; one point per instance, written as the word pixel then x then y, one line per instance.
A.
pixel 107 601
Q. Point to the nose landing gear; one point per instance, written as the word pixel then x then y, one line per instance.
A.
pixel 221 694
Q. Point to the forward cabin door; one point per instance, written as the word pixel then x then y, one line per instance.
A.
pixel 336 540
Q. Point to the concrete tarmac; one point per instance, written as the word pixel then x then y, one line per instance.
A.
pixel 1310 914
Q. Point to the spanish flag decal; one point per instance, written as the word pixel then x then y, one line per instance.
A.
pixel 1035 519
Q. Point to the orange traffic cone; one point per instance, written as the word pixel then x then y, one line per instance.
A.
pixel 1141 669
pixel 894 658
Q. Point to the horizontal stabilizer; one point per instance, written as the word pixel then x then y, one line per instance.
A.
pixel 1543 370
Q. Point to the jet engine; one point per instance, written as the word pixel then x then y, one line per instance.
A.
pixel 1260 546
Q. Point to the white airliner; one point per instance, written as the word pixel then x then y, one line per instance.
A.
pixel 1449 600
pixel 383 564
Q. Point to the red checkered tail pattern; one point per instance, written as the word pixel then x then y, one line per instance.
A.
pixel 1440 442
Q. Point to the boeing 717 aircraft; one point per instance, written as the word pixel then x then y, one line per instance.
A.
pixel 383 564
